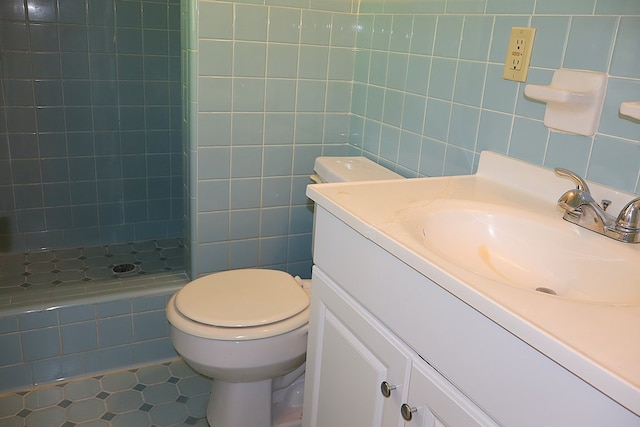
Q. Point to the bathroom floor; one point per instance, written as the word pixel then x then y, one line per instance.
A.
pixel 168 394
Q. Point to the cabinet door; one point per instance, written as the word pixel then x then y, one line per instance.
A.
pixel 437 402
pixel 349 356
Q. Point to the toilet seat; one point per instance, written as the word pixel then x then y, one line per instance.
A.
pixel 240 305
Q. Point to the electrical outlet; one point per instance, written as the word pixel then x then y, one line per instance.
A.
pixel 516 65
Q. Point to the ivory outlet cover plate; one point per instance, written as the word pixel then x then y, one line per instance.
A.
pixel 516 65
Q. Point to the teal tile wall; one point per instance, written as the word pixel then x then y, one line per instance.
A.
pixel 272 84
pixel 429 96
pixel 90 142
pixel 269 90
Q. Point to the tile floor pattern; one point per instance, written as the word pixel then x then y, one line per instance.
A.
pixel 168 394
pixel 60 267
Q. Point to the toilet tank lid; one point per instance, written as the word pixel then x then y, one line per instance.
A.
pixel 339 169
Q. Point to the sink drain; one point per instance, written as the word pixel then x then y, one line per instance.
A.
pixel 123 268
pixel 546 290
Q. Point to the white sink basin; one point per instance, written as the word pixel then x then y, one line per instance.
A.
pixel 526 250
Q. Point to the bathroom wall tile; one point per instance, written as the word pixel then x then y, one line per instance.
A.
pixel 214 94
pixel 432 157
pixel 458 161
pixel 213 257
pixel 617 7
pixel 282 61
pixel 476 37
pixel 214 226
pixel 49 370
pixel 250 22
pixel 464 122
pixel 409 150
pixel 299 247
pixel 436 122
pixel 469 83
pixel 244 224
pixel 274 222
pixel 109 359
pixel 15 377
pixel 378 68
pixel 313 62
pixel 568 151
pixel 284 25
pixel 494 132
pixel 448 36
pixel 364 31
pixel 316 27
pixel 401 32
pixel 338 97
pixel 247 128
pixel 528 140
pixel 343 30
pixel 214 129
pixel 413 113
pixel 114 331
pixel 499 94
pixel 113 308
pixel 249 59
pixel 418 69
pixel 611 122
pixel 311 96
pixel 423 38
pixel 276 191
pixel 392 113
pixel 397 71
pixel 216 58
pixel 213 162
pixel 442 78
pixel 280 95
pixel 309 129
pixel 246 162
pixel 78 337
pixel 592 34
pixel 381 36
pixel 215 20
pixel 12 10
pixel 341 64
pixel 128 14
pixel 277 161
pixel 214 195
pixel 11 353
pixel 243 253
pixel 465 6
pixel 608 151
pixel 568 7
pixel 38 319
pixel 626 58
pixel 245 193
pixel 279 129
pixel 510 6
pixel 273 251
pixel 149 326
pixel 549 43
pixel 148 351
pixel 248 94
pixel 100 12
pixel 40 344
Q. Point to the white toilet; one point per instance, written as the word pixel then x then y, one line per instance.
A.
pixel 247 329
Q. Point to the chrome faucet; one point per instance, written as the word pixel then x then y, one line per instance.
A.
pixel 581 209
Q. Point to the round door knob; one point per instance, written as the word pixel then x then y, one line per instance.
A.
pixel 407 411
pixel 386 388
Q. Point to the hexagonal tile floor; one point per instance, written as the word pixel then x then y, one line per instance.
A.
pixel 169 394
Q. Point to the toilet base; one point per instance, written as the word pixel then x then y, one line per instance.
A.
pixel 240 404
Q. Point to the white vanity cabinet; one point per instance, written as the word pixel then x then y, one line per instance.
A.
pixel 364 376
pixel 375 319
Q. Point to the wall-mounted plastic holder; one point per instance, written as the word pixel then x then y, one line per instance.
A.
pixel 630 109
pixel 574 100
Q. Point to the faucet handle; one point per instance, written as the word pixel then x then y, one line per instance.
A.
pixel 629 217
pixel 580 183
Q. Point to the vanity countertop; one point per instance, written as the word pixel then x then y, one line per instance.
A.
pixel 597 342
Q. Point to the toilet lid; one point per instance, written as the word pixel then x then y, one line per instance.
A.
pixel 242 298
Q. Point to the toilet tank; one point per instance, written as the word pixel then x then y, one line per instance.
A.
pixel 339 169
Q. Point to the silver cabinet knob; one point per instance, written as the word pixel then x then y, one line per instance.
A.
pixel 386 388
pixel 407 411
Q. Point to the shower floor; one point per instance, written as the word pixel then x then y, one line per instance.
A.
pixel 71 272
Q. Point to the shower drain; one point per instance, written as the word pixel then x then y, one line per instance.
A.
pixel 546 290
pixel 123 268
